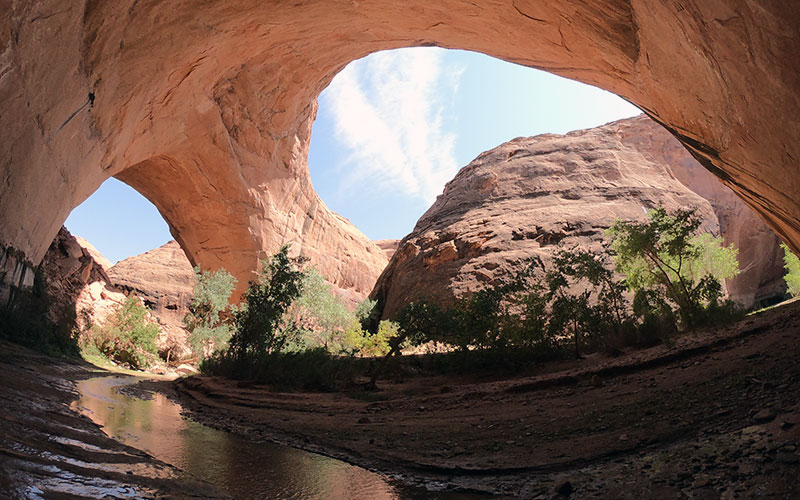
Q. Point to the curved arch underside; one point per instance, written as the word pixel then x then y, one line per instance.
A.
pixel 206 107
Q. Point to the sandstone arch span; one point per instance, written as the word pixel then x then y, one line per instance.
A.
pixel 206 107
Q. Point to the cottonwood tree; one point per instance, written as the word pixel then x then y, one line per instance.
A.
pixel 792 265
pixel 666 260
pixel 259 326
pixel 208 320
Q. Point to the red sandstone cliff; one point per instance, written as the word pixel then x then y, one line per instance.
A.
pixel 79 283
pixel 760 254
pixel 528 195
pixel 206 107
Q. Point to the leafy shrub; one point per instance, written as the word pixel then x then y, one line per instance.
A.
pixel 534 311
pixel 311 369
pixel 529 329
pixel 259 323
pixel 366 311
pixel 322 315
pixel 792 266
pixel 208 319
pixel 362 342
pixel 678 267
pixel 127 337
pixel 291 328
pixel 575 314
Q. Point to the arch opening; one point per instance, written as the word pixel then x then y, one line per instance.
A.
pixel 394 127
pixel 198 102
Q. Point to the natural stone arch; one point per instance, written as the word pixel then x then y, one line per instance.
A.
pixel 224 93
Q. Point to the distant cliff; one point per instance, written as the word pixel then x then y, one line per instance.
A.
pixel 526 196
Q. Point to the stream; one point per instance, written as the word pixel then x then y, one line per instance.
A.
pixel 240 467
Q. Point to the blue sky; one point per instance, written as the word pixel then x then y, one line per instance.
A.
pixel 391 130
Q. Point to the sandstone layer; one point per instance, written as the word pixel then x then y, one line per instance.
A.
pixel 163 279
pixel 531 196
pixel 83 290
pixel 388 246
pixel 206 107
pixel 78 283
pixel 760 253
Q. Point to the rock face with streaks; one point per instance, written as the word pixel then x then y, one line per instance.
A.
pixel 530 195
pixel 77 282
pixel 81 286
pixel 163 279
pixel 760 254
pixel 206 107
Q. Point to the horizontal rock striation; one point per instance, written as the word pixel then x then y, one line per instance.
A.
pixel 164 280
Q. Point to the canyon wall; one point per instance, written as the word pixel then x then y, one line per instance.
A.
pixel 206 107
pixel 760 253
pixel 164 280
pixel 530 196
pixel 83 288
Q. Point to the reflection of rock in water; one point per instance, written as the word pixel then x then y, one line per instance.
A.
pixel 48 450
pixel 246 469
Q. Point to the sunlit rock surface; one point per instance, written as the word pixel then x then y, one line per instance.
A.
pixel 84 292
pixel 530 196
pixel 163 279
pixel 206 107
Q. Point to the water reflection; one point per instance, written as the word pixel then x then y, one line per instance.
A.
pixel 243 468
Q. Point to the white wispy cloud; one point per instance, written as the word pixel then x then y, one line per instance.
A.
pixel 388 114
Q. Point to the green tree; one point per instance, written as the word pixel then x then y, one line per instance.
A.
pixel 477 320
pixel 792 265
pixel 322 312
pixel 417 323
pixel 208 320
pixel 128 336
pixel 666 255
pixel 530 328
pixel 367 312
pixel 362 342
pixel 259 323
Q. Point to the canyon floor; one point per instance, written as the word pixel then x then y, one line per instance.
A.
pixel 715 414
pixel 712 415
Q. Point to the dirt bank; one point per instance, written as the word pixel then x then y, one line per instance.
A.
pixel 716 415
pixel 47 450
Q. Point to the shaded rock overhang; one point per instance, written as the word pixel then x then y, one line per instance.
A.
pixel 206 107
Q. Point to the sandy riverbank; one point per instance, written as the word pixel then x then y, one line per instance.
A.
pixel 717 415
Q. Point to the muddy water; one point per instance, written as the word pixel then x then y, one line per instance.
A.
pixel 243 468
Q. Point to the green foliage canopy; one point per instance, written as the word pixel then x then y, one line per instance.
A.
pixel 259 322
pixel 792 265
pixel 127 336
pixel 666 260
pixel 321 307
pixel 208 318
